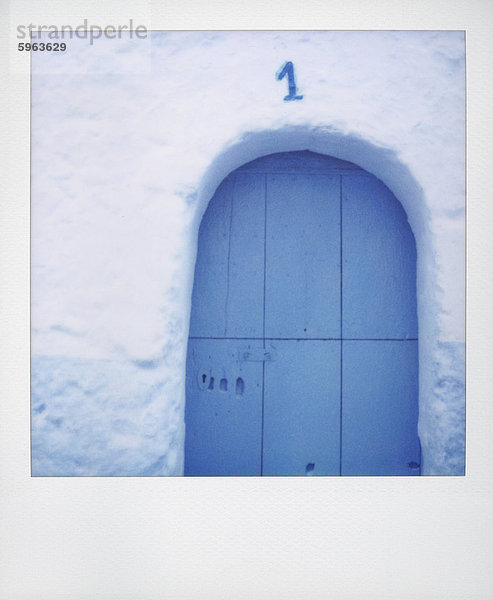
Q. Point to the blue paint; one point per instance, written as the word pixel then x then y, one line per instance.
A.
pixel 288 69
pixel 224 427
pixel 302 249
pixel 304 299
pixel 379 263
pixel 301 407
pixel 379 408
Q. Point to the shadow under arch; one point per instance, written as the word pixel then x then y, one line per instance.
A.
pixel 380 161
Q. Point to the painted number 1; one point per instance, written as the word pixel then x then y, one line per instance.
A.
pixel 288 69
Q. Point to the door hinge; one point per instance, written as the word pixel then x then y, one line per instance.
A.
pixel 257 354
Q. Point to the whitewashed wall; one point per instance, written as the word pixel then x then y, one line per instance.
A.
pixel 130 139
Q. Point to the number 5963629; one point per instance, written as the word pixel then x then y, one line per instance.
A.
pixel 42 46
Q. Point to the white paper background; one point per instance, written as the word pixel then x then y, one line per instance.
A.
pixel 289 538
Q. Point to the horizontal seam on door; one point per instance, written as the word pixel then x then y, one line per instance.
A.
pixel 259 339
pixel 321 172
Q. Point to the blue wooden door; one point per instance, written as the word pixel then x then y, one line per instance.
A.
pixel 302 357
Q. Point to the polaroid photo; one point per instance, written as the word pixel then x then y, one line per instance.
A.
pixel 247 267
pixel 248 253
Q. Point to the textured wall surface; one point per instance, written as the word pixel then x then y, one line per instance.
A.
pixel 130 139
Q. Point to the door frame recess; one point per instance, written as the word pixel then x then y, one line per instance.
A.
pixel 384 164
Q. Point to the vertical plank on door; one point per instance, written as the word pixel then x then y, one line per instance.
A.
pixel 302 297
pixel 208 317
pixel 380 408
pixel 223 419
pixel 379 262
pixel 245 302
pixel 301 412
pixel 230 261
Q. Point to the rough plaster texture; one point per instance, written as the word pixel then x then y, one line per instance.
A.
pixel 130 139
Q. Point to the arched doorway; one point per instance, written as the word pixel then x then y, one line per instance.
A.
pixel 302 357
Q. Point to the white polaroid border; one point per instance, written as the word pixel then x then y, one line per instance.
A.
pixel 212 538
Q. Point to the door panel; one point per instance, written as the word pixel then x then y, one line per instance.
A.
pixel 302 280
pixel 379 409
pixel 379 263
pixel 301 408
pixel 223 413
pixel 208 317
pixel 229 274
pixel 245 297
